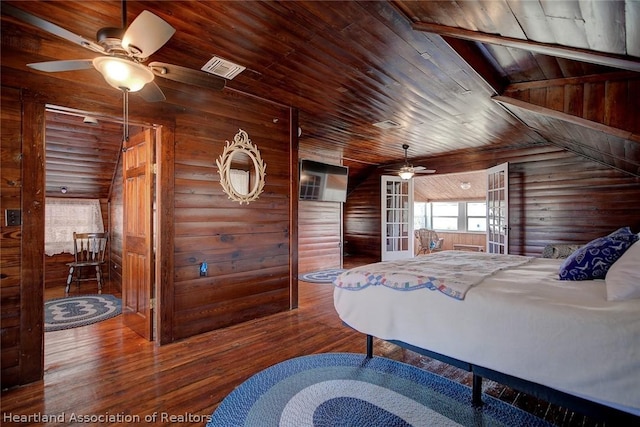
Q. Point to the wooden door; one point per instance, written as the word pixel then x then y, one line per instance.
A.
pixel 397 218
pixel 498 209
pixel 137 255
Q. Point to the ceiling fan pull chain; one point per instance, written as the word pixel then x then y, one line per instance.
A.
pixel 124 14
pixel 125 115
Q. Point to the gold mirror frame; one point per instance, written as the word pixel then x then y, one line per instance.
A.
pixel 241 144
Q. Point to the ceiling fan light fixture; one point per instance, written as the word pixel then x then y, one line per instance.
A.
pixel 406 173
pixel 122 73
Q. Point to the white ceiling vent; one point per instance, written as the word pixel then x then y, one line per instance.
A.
pixel 223 68
pixel 388 124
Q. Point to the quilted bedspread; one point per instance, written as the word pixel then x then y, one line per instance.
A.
pixel 450 272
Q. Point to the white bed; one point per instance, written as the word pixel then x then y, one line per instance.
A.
pixel 521 321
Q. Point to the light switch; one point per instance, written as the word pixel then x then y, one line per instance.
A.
pixel 12 217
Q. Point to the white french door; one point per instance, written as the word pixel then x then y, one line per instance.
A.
pixel 397 218
pixel 498 209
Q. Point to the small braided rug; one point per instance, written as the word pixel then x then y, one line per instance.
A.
pixel 72 312
pixel 321 276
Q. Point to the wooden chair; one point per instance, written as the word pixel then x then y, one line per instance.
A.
pixel 429 240
pixel 88 251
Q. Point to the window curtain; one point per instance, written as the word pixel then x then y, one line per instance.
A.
pixel 240 181
pixel 63 217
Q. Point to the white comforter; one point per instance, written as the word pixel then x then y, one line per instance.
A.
pixel 522 322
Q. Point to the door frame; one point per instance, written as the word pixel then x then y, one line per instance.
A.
pixel 409 251
pixel 163 229
pixel 32 262
pixel 138 256
pixel 498 209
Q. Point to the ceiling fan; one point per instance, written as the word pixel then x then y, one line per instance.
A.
pixel 124 51
pixel 406 170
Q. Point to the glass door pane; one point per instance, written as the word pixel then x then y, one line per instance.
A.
pixel 397 218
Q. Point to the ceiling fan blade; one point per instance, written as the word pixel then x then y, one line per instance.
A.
pixel 393 166
pixel 146 34
pixel 151 93
pixel 51 28
pixel 56 66
pixel 187 75
pixel 422 169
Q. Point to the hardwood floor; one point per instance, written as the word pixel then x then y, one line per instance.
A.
pixel 85 288
pixel 105 370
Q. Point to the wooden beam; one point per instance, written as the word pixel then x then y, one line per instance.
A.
pixel 32 244
pixel 472 55
pixel 506 101
pixel 584 55
pixel 593 78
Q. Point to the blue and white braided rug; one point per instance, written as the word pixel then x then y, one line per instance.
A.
pixel 343 389
pixel 72 312
pixel 321 276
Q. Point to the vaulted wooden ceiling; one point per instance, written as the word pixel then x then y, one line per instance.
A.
pixel 451 74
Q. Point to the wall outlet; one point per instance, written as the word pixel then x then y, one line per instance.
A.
pixel 203 269
pixel 12 217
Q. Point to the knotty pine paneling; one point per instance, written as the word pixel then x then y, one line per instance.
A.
pixel 10 237
pixel 319 235
pixel 612 99
pixel 320 242
pixel 56 270
pixel 23 245
pixel 554 197
pixel 116 227
pixel 246 247
pixel 362 220
pixel 451 239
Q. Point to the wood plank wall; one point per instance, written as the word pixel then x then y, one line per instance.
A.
pixel 554 197
pixel 116 227
pixel 248 248
pixel 362 220
pixel 22 246
pixel 320 242
pixel 10 237
pixel 558 197
pixel 451 239
pixel 319 236
pixel 611 99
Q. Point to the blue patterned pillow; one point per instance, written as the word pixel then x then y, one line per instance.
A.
pixel 622 231
pixel 592 261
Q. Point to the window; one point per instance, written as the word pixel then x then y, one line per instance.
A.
pixel 444 216
pixel 476 216
pixel 240 180
pixel 420 215
pixel 451 216
pixel 310 186
pixel 64 216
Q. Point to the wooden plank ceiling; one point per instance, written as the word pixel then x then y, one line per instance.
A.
pixel 432 68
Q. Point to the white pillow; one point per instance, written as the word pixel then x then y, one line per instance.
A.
pixel 623 278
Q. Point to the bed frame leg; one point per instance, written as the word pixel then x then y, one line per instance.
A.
pixel 369 346
pixel 476 391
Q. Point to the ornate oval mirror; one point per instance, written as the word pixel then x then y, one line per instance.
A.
pixel 241 169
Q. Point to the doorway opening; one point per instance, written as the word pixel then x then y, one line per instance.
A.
pixel 454 206
pixel 84 162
